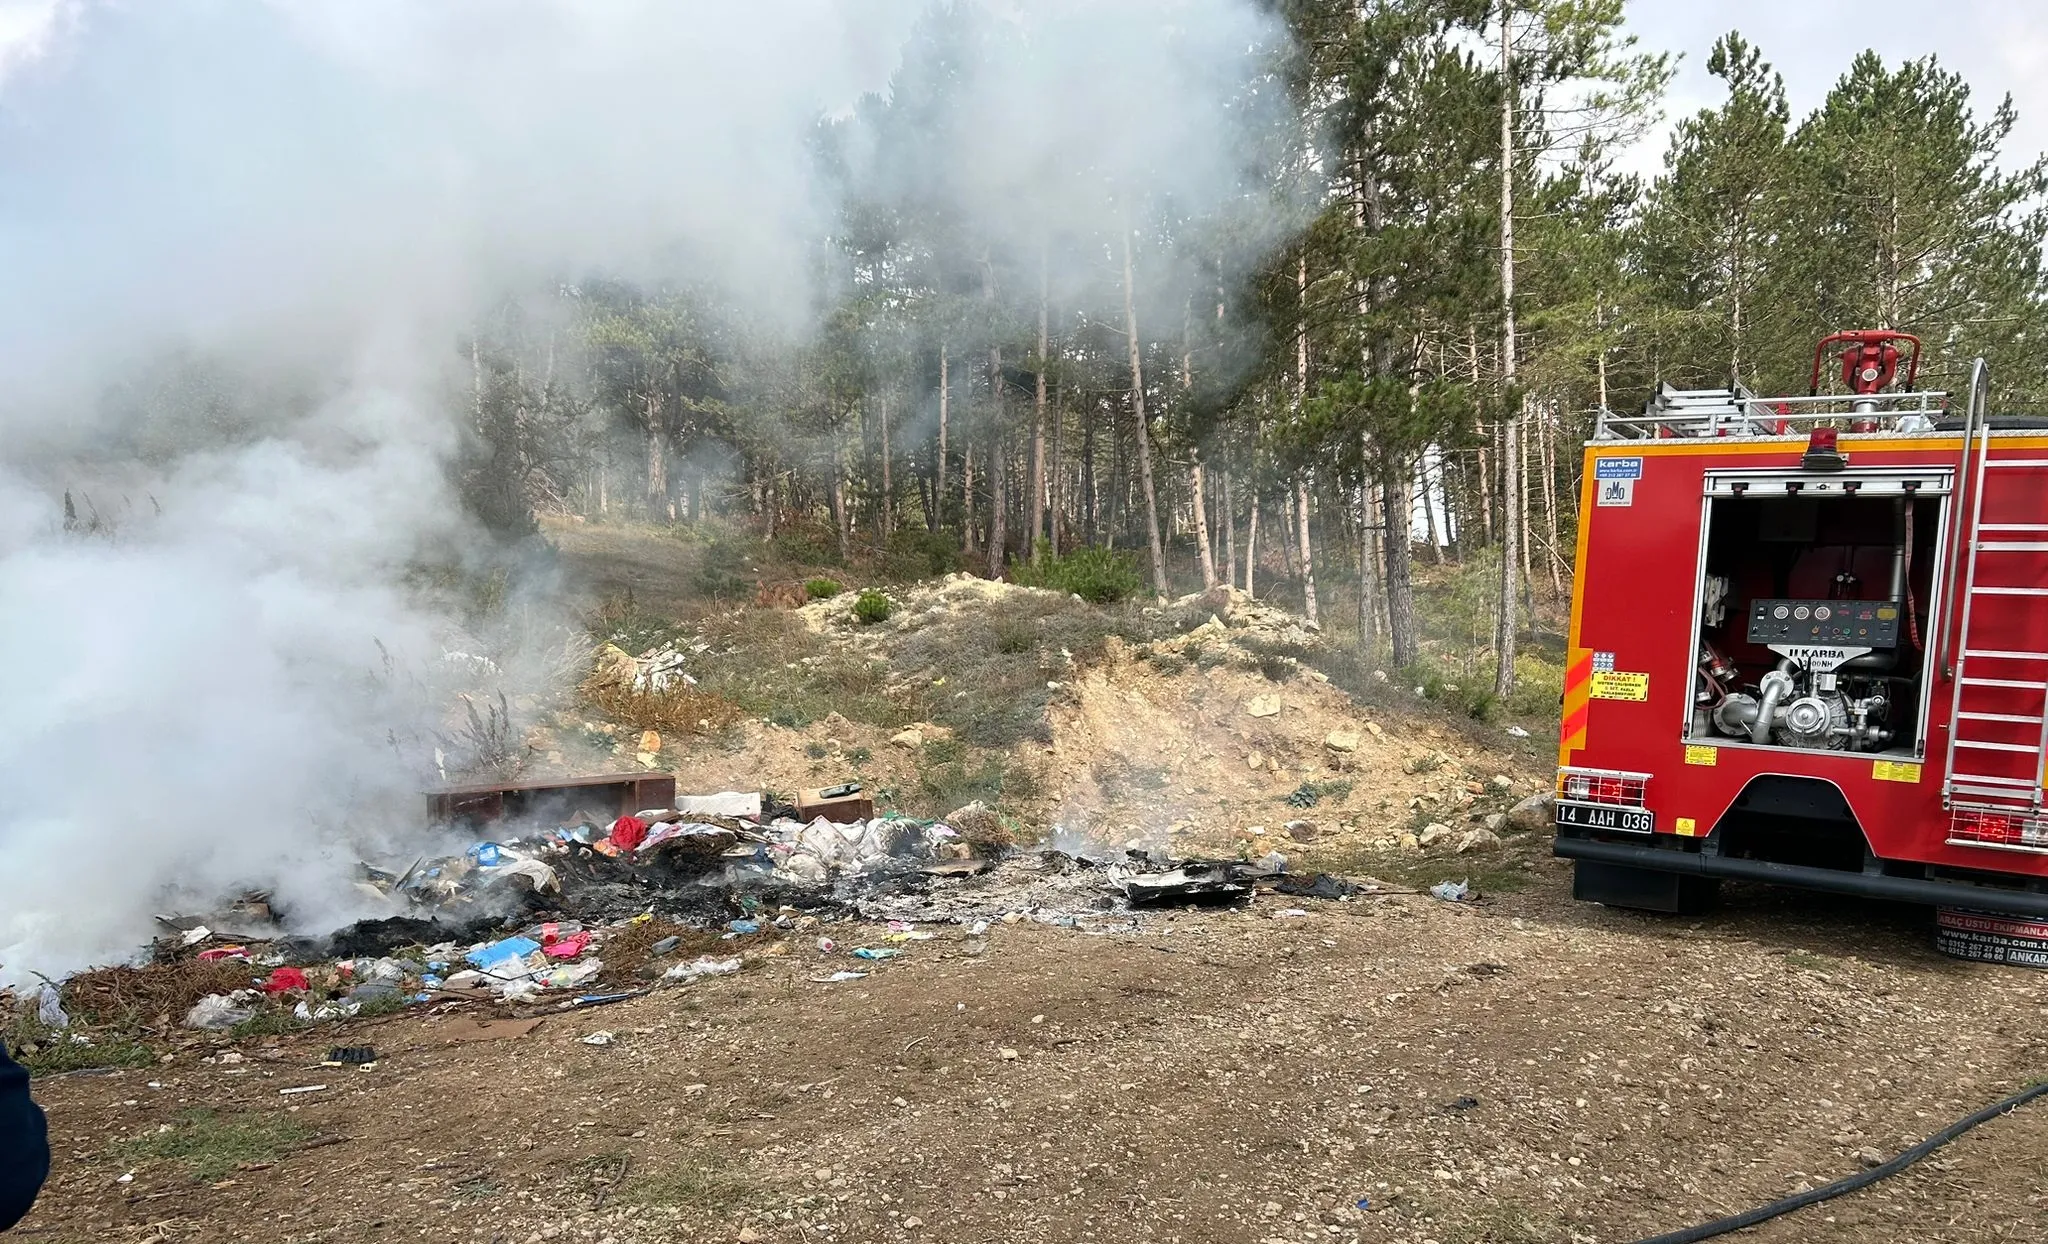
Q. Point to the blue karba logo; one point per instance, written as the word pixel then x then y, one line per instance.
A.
pixel 1617 468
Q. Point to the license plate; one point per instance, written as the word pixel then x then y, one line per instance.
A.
pixel 1603 816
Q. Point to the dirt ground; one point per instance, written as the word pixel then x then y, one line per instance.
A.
pixel 1518 1070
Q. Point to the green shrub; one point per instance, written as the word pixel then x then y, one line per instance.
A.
pixel 822 589
pixel 1099 576
pixel 915 553
pixel 1539 687
pixel 872 606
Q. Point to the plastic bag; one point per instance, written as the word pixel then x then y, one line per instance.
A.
pixel 218 1012
pixel 701 967
pixel 50 1008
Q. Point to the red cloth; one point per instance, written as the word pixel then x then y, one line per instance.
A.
pixel 285 979
pixel 224 952
pixel 568 947
pixel 628 832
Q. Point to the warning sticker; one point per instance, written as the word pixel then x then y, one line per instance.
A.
pixel 1687 827
pixel 1615 492
pixel 1620 685
pixel 1698 755
pixel 1603 660
pixel 1895 771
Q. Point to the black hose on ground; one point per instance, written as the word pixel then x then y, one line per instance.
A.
pixel 1862 1179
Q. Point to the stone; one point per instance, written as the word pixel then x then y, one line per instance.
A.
pixel 1373 728
pixel 1301 831
pixel 912 1224
pixel 1342 740
pixel 908 740
pixel 650 740
pixel 1435 832
pixel 1495 821
pixel 1007 1054
pixel 749 1236
pixel 1257 760
pixel 1479 840
pixel 1532 815
pixel 1263 706
pixel 1502 783
pixel 1409 842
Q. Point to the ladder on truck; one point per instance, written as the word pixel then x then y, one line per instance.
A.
pixel 1997 654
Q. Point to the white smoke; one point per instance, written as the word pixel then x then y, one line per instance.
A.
pixel 316 197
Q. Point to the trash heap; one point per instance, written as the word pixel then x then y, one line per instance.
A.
pixel 578 913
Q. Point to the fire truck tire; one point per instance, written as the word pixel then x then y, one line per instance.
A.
pixel 1643 889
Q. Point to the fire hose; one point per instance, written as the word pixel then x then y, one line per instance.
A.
pixel 1862 1179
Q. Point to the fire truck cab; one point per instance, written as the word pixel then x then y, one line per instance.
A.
pixel 1809 645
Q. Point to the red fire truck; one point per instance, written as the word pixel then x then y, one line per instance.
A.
pixel 1809 645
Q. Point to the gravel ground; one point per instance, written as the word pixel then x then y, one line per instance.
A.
pixel 1523 1069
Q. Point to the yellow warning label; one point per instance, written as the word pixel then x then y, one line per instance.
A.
pixel 1687 827
pixel 1697 755
pixel 1895 771
pixel 1617 685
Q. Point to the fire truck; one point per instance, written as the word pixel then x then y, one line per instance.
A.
pixel 1809 646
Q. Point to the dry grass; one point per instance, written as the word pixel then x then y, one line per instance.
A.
pixel 155 996
pixel 630 950
pixel 675 712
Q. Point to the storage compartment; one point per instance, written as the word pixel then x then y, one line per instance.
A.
pixel 1814 613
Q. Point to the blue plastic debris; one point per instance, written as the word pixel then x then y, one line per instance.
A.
pixel 746 926
pixel 487 854
pixel 497 952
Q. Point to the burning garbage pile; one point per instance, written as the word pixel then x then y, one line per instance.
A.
pixel 576 910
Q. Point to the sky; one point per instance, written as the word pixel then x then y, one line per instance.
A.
pixel 1999 46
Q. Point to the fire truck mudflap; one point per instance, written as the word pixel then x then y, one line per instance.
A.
pixel 1809 647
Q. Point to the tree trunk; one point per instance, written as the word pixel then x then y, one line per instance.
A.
pixel 1430 531
pixel 1201 504
pixel 1038 412
pixel 1510 562
pixel 1251 547
pixel 1365 605
pixel 939 473
pixel 1550 501
pixel 1138 422
pixel 1229 534
pixel 1206 554
pixel 998 510
pixel 967 541
pixel 842 520
pixel 657 459
pixel 888 480
pixel 1397 520
pixel 1287 526
pixel 1057 490
pixel 1522 512
pixel 1308 561
pixel 1093 509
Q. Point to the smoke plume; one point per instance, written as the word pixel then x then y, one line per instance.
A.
pixel 244 241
